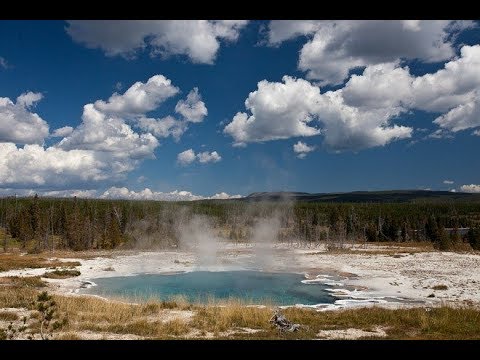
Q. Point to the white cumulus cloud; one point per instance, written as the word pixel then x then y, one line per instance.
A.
pixel 164 127
pixel 188 156
pixel 472 188
pixel 448 182
pixel 28 99
pixel 112 139
pixel 297 108
pixel 336 47
pixel 464 116
pixel 278 111
pixel 147 194
pixel 118 193
pixel 63 131
pixel 33 165
pixel 18 124
pixel 302 149
pixel 84 194
pixel 140 98
pixel 224 196
pixel 100 132
pixel 206 157
pixel 362 113
pixel 193 109
pixel 199 40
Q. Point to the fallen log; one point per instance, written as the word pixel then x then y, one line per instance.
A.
pixel 282 323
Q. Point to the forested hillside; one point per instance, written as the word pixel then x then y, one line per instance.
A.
pixel 38 224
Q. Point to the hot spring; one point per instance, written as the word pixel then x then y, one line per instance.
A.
pixel 254 287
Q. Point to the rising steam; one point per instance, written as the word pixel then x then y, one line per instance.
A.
pixel 198 235
pixel 264 235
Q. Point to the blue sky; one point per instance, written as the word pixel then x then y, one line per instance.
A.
pixel 236 107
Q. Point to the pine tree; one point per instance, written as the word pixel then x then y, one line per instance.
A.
pixel 371 233
pixel 112 236
pixel 431 228
pixel 34 216
pixel 74 228
pixel 473 237
pixel 442 240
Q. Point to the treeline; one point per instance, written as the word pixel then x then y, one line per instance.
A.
pixel 79 224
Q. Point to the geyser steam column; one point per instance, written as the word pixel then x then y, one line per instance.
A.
pixel 265 233
pixel 198 234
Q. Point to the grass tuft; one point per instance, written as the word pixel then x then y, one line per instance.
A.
pixel 14 261
pixel 8 316
pixel 61 274
pixel 23 281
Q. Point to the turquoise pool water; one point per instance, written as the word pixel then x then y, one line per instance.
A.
pixel 201 286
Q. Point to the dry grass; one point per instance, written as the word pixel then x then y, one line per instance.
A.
pixel 426 245
pixel 8 316
pixel 14 261
pixel 17 297
pixel 232 315
pixel 23 281
pixel 68 336
pixel 101 316
pixel 61 274
pixel 416 323
pixel 377 248
pixel 86 254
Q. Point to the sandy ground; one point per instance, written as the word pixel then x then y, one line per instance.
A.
pixel 350 334
pixel 356 279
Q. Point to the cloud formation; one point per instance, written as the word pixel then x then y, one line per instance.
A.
pixel 278 111
pixel 206 157
pixel 192 109
pixel 188 156
pixel 448 182
pixel 18 124
pixel 199 40
pixel 336 47
pixel 100 132
pixel 362 113
pixel 33 165
pixel 302 149
pixel 472 188
pixel 112 139
pixel 119 193
pixel 147 194
pixel 63 131
pixel 297 108
pixel 139 98
pixel 164 127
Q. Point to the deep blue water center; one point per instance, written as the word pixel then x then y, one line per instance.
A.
pixel 255 287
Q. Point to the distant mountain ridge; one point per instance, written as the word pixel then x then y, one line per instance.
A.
pixel 364 196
